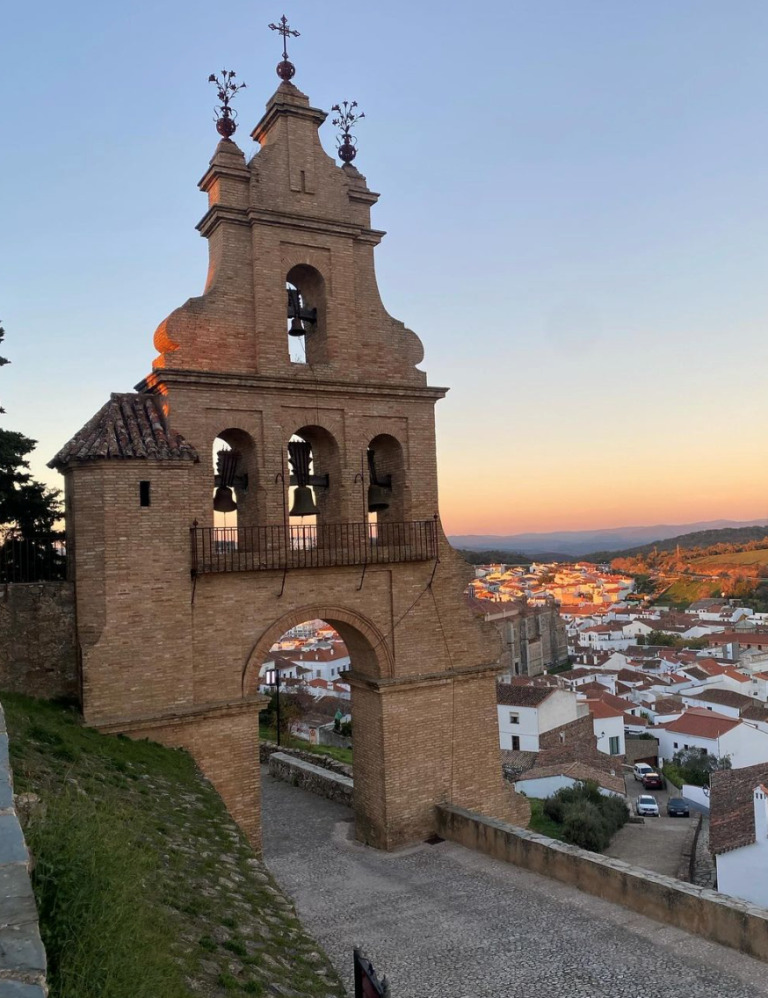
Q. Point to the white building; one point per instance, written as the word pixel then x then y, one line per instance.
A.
pixel 738 834
pixel 608 725
pixel 526 712
pixel 714 734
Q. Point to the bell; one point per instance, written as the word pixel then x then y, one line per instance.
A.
pixel 303 502
pixel 296 327
pixel 223 500
pixel 378 499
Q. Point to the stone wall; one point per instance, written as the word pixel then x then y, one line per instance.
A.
pixel 22 956
pixel 306 775
pixel 730 922
pixel 38 653
pixel 641 750
pixel 267 749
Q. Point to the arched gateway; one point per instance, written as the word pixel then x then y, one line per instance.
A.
pixel 331 467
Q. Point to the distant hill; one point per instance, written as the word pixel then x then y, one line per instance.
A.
pixel 494 557
pixel 578 543
pixel 696 539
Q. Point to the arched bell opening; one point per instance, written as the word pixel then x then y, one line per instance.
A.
pixel 315 473
pixel 237 497
pixel 386 498
pixel 305 289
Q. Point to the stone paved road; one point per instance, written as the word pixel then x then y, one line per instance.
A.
pixel 658 843
pixel 444 921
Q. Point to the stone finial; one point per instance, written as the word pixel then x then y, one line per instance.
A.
pixel 346 118
pixel 226 90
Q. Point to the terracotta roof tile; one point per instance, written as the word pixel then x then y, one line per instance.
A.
pixel 129 426
pixel 732 816
pixel 703 723
pixel 577 771
pixel 522 696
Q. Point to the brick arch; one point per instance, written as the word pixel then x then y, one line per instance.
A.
pixel 368 648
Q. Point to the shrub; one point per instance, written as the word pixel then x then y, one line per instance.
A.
pixel 588 818
pixel 585 826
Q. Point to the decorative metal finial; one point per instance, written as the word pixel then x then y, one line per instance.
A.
pixel 346 119
pixel 285 69
pixel 226 90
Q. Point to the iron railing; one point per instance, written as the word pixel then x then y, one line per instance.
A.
pixel 40 558
pixel 253 549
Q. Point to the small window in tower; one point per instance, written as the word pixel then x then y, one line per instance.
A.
pixel 143 493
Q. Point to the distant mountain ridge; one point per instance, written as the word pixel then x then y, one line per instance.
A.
pixel 576 543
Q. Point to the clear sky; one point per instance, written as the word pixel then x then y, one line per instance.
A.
pixel 575 198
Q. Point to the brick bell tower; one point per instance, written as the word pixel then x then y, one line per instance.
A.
pixel 176 614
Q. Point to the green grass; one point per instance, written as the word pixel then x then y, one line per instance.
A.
pixel 339 754
pixel 541 823
pixel 685 591
pixel 738 559
pixel 145 886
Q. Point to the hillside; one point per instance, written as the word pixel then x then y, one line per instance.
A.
pixel 145 886
pixel 576 544
pixel 698 539
pixel 749 561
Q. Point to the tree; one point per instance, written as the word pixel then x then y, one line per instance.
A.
pixel 27 507
pixel 694 765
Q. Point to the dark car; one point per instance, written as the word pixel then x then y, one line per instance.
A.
pixel 677 808
pixel 652 781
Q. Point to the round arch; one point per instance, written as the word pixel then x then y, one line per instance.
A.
pixel 368 649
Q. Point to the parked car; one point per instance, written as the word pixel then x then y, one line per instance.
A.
pixel 677 808
pixel 653 781
pixel 647 804
pixel 640 769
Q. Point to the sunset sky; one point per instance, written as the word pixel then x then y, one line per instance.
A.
pixel 576 199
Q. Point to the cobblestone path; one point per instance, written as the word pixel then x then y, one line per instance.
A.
pixel 444 921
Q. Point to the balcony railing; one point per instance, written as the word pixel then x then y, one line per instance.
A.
pixel 259 549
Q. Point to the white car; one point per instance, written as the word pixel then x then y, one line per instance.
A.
pixel 647 804
pixel 640 769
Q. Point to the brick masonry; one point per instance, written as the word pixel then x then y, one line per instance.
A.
pixel 169 656
pixel 38 652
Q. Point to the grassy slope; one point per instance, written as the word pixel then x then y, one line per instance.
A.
pixel 739 559
pixel 146 888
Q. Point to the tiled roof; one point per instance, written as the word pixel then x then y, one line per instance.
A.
pixel 726 698
pixel 668 705
pixel 600 709
pixel 522 696
pixel 577 771
pixel 130 425
pixel 732 815
pixel 701 723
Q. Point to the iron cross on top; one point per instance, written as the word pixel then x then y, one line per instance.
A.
pixel 285 30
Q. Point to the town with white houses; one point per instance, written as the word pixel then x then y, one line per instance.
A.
pixel 597 683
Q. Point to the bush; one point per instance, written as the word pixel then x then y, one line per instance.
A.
pixel 585 826
pixel 588 818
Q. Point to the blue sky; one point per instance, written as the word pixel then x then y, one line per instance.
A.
pixel 575 200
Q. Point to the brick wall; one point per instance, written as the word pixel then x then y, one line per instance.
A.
pixel 37 639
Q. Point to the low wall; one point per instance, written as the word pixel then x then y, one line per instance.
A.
pixel 738 924
pixel 306 775
pixel 22 956
pixel 267 750
pixel 38 651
